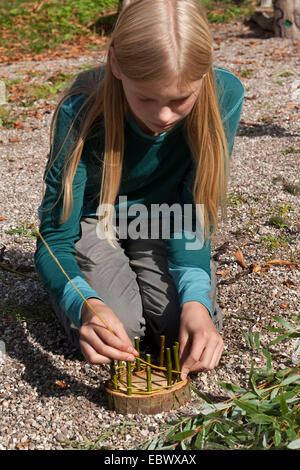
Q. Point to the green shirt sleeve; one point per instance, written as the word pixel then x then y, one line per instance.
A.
pixel 61 238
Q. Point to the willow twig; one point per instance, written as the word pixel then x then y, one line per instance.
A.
pixel 162 351
pixel 137 347
pixel 149 386
pixel 169 366
pixel 129 378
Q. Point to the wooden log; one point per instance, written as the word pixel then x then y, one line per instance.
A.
pixel 287 19
pixel 169 398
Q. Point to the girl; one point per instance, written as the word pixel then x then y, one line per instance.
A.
pixel 153 128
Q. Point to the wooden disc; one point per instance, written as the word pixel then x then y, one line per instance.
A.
pixel 160 399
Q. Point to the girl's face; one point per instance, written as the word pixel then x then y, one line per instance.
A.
pixel 157 107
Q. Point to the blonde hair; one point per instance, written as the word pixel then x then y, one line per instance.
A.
pixel 152 40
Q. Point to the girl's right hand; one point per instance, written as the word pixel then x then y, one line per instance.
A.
pixel 97 343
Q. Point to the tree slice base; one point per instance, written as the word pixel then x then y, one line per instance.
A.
pixel 160 399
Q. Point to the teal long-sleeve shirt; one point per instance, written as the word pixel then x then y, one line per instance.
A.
pixel 156 170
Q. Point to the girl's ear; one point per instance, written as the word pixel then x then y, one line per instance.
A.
pixel 113 64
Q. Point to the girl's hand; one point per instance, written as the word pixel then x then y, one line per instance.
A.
pixel 97 343
pixel 201 345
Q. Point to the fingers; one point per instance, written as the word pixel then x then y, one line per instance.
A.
pixel 99 345
pixel 201 355
pixel 96 350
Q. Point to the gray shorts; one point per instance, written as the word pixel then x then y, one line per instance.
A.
pixel 134 281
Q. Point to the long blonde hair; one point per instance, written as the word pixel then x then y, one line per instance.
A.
pixel 152 40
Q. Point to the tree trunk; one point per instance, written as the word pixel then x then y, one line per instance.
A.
pixel 287 19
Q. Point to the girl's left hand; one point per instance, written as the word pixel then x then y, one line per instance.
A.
pixel 201 345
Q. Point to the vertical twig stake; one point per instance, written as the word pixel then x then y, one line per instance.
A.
pixel 162 351
pixel 149 386
pixel 137 347
pixel 129 378
pixel 176 360
pixel 113 374
pixel 169 366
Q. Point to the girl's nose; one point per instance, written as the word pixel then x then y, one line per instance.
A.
pixel 164 116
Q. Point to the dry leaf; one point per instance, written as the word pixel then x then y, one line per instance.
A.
pixel 222 273
pixel 256 268
pixel 2 218
pixel 289 283
pixel 285 306
pixel 14 139
pixel 280 262
pixel 18 124
pixel 240 258
pixel 22 444
pixel 61 383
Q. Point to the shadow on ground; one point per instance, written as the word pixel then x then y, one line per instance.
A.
pixel 36 340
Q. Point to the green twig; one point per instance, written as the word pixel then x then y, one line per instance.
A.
pixel 169 366
pixel 149 386
pixel 137 347
pixel 6 268
pixel 113 375
pixel 129 378
pixel 162 351
pixel 176 359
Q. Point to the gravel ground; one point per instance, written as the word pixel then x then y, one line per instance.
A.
pixel 50 398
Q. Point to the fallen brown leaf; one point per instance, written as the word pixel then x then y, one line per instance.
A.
pixel 240 258
pixel 222 273
pixel 285 306
pixel 289 283
pixel 18 124
pixel 2 218
pixel 61 383
pixel 256 268
pixel 22 444
pixel 14 139
pixel 280 262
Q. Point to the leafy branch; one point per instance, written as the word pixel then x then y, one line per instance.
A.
pixel 263 416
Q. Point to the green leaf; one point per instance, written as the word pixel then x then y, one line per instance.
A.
pixel 246 406
pixel 275 330
pixel 277 437
pixel 283 404
pixel 284 323
pixel 279 338
pixel 232 387
pixel 290 380
pixel 294 444
pixel 252 384
pixel 262 419
pixel 256 340
pixel 269 360
pixel 200 439
pixel 201 395
pixel 152 445
pixel 183 435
